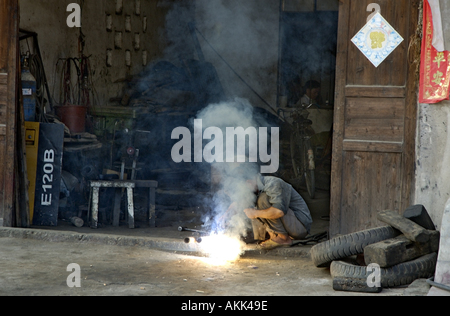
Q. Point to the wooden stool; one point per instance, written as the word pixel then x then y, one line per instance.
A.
pixel 118 185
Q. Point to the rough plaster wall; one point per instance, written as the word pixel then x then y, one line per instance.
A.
pixel 433 148
pixel 57 40
pixel 433 159
pixel 245 33
pixel 109 79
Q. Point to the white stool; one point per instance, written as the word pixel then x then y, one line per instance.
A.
pixel 118 185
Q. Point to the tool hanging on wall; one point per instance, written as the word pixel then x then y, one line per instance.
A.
pixel 68 91
pixel 85 81
pixel 83 92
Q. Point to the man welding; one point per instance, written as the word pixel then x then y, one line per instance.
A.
pixel 280 210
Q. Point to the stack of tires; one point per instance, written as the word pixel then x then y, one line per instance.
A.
pixel 372 278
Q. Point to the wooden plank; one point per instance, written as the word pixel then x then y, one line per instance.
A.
pixel 391 252
pixel 374 130
pixel 354 285
pixel 113 184
pixel 373 146
pixel 339 118
pixel 411 103
pixel 2 130
pixel 3 118
pixel 4 28
pixel 390 123
pixel 2 115
pixel 3 78
pixel 410 229
pixel 3 87
pixel 9 30
pixel 375 91
pixel 419 215
pixel 371 182
pixel 376 108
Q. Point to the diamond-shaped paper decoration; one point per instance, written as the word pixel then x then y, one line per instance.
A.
pixel 377 39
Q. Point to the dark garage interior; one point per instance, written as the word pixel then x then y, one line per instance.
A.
pixel 136 70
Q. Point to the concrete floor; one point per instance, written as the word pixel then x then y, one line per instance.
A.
pixel 155 262
pixel 36 267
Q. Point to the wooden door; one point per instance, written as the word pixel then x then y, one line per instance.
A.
pixel 375 119
pixel 9 21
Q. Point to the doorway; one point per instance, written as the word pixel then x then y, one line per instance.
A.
pixel 308 42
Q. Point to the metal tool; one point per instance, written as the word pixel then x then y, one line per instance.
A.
pixel 185 229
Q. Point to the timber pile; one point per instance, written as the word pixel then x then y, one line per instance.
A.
pixel 395 255
pixel 416 240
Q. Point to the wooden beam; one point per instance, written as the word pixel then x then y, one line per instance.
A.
pixel 391 252
pixel 339 118
pixel 375 91
pixel 410 229
pixel 373 146
pixel 419 215
pixel 354 285
pixel 9 13
pixel 411 100
pixel 3 78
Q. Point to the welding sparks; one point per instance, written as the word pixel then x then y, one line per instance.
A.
pixel 221 249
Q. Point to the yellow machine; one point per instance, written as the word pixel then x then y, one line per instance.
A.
pixel 32 146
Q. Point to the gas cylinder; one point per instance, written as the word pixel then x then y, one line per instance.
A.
pixel 28 94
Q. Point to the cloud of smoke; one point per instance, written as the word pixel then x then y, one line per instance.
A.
pixel 230 182
pixel 246 35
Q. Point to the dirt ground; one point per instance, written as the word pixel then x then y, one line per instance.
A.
pixel 34 267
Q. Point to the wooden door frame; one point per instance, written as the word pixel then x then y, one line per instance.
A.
pixel 408 156
pixel 11 39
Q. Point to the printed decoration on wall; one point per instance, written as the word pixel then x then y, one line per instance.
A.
pixel 434 66
pixel 377 39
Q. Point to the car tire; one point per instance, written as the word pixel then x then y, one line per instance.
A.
pixel 402 274
pixel 348 245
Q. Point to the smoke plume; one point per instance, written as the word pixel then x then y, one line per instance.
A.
pixel 246 35
pixel 230 178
